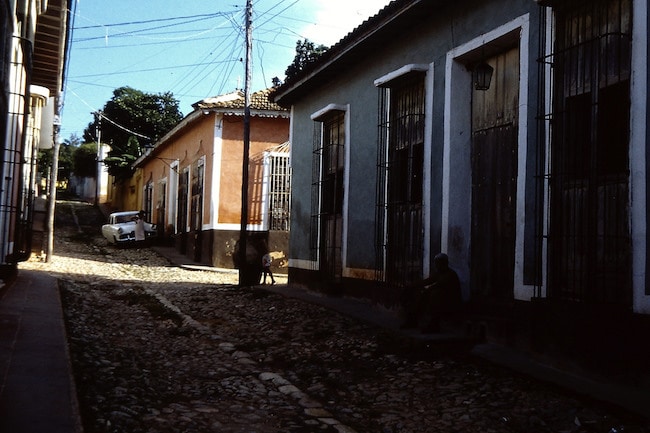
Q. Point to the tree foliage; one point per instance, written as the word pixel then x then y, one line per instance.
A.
pixel 129 121
pixel 84 160
pixel 119 163
pixel 306 53
pixel 66 152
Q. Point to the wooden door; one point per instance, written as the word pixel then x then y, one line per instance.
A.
pixel 494 179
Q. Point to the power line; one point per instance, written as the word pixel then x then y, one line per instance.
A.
pixel 218 62
pixel 134 32
pixel 162 68
pixel 103 116
pixel 150 21
pixel 197 75
pixel 123 128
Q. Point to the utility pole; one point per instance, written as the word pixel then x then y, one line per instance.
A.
pixel 54 176
pixel 246 271
pixel 98 134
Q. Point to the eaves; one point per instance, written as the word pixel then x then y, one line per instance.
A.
pixel 275 114
pixel 50 46
pixel 158 145
pixel 195 116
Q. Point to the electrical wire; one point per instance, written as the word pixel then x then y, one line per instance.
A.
pixel 157 20
pixel 103 116
pixel 215 64
pixel 162 68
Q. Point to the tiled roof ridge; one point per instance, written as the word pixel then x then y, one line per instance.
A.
pixel 260 100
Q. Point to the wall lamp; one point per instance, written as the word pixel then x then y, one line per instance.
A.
pixel 482 76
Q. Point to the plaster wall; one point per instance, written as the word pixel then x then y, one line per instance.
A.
pixel 264 134
pixel 426 41
pixel 190 145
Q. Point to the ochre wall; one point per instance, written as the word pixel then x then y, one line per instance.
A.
pixel 187 147
pixel 265 133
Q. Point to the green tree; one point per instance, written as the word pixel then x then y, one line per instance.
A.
pixel 85 160
pixel 129 121
pixel 66 152
pixel 119 162
pixel 306 53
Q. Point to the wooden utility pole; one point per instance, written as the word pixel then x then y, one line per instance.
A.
pixel 51 206
pixel 246 270
pixel 98 134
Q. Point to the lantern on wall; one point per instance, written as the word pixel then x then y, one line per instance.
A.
pixel 482 76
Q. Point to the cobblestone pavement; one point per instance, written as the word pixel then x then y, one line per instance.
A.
pixel 157 348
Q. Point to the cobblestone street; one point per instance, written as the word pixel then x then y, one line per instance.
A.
pixel 159 348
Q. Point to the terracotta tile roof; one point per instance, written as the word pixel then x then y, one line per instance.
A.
pixel 260 101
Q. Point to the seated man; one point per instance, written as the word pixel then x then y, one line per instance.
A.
pixel 433 297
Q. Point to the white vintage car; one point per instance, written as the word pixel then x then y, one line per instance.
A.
pixel 120 229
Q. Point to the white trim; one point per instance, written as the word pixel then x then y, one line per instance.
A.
pixel 172 191
pixel 638 155
pixel 228 226
pixel 386 80
pixel 237 227
pixel 188 199
pixel 303 264
pixel 201 163
pixel 346 194
pixel 266 186
pixel 317 116
pixel 522 291
pixel 215 176
pixel 456 215
pixel 456 120
pixel 428 164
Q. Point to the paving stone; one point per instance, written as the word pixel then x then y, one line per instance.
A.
pixel 158 348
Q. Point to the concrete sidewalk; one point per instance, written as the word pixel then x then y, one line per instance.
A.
pixel 37 392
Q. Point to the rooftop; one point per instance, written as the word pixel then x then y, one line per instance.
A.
pixel 260 101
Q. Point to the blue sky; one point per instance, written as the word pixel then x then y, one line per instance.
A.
pixel 191 48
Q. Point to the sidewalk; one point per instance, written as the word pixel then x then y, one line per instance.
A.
pixel 37 392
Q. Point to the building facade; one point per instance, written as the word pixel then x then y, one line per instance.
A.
pixel 33 49
pixel 190 183
pixel 510 135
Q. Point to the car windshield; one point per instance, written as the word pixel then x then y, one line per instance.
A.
pixel 119 219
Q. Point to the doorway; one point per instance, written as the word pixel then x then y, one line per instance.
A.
pixel 494 179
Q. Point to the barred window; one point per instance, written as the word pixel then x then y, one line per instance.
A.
pixel 161 207
pixel 400 170
pixel 196 216
pixel 181 215
pixel 148 201
pixel 279 188
pixel 328 191
pixel 589 235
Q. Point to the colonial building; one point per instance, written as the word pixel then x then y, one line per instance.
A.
pixel 509 134
pixel 190 182
pixel 33 49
